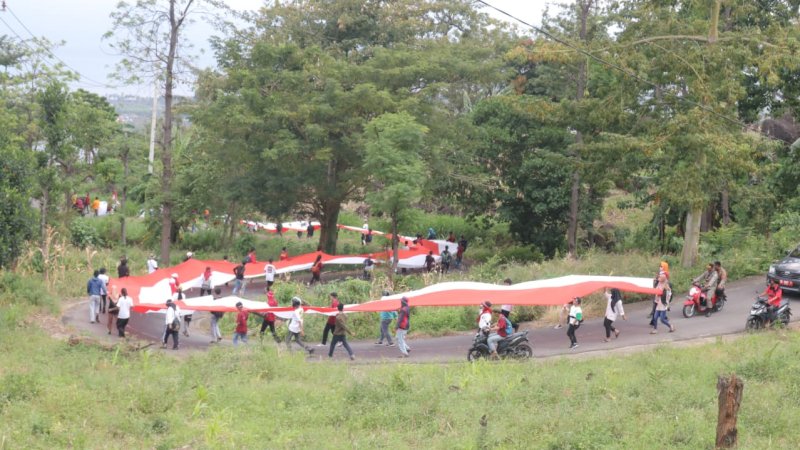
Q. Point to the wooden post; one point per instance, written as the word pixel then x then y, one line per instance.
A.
pixel 730 397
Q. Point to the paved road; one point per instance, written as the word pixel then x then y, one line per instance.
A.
pixel 546 341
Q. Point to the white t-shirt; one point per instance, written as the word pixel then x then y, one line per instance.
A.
pixel 104 278
pixel 173 314
pixel 612 314
pixel 152 265
pixel 124 303
pixel 269 272
pixel 573 314
pixel 296 323
pixel 485 320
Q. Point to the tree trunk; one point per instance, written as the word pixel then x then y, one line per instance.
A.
pixel 713 32
pixel 329 232
pixel 707 221
pixel 43 245
pixel 691 237
pixel 166 142
pixel 730 397
pixel 395 249
pixel 123 229
pixel 726 207
pixel 231 222
pixel 572 231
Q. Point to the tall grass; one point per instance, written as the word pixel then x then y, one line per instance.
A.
pixel 55 396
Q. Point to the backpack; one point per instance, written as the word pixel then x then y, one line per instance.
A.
pixel 509 327
pixel 175 325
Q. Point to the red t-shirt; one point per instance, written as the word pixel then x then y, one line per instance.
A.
pixel 284 256
pixel 501 326
pixel 241 322
pixel 334 305
pixel 775 295
pixel 173 285
pixel 271 302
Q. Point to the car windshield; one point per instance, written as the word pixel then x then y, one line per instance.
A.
pixel 795 253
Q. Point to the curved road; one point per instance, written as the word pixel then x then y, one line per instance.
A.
pixel 546 341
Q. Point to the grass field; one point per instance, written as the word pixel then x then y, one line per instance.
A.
pixel 53 395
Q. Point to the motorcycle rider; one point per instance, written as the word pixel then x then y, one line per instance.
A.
pixel 498 333
pixel 723 278
pixel 774 296
pixel 708 281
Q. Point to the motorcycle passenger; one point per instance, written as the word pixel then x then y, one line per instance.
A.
pixel 499 331
pixel 485 318
pixel 774 296
pixel 723 278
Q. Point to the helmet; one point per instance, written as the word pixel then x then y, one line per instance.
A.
pixel 486 304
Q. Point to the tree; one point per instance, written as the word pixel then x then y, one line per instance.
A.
pixel 16 170
pixel 149 35
pixel 298 90
pixel 393 160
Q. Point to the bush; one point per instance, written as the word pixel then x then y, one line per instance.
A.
pixel 209 240
pixel 83 234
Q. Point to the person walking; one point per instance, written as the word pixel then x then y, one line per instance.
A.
pixel 429 261
pixel 574 321
pixel 241 325
pixel 614 309
pixel 216 316
pixel 122 269
pixel 296 327
pixel 205 282
pixel 94 289
pixel 152 264
pixel 662 303
pixel 316 271
pixel 386 320
pixel 269 273
pixel 369 267
pixel 112 313
pixel 104 292
pixel 340 333
pixel 447 257
pixel 238 284
pixel 269 318
pixel 172 321
pixel 124 305
pixel 330 324
pixel 403 322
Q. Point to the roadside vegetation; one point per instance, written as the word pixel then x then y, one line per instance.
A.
pixel 53 395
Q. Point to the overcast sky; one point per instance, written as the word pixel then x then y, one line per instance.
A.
pixel 82 23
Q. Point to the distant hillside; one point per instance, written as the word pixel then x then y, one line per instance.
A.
pixel 135 110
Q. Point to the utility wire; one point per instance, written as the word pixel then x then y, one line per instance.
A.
pixel 611 64
pixel 46 49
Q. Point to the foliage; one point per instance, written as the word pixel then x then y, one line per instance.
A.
pixel 83 234
pixel 16 170
pixel 43 406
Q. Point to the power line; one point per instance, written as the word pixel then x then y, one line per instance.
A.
pixel 46 49
pixel 611 64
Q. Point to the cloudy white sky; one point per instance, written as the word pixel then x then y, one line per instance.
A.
pixel 82 23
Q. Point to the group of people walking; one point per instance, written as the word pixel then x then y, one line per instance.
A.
pixel 115 305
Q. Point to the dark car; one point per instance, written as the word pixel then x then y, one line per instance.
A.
pixel 787 272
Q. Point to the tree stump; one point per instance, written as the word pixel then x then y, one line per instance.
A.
pixel 730 397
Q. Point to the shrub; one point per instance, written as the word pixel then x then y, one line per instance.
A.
pixel 209 240
pixel 83 234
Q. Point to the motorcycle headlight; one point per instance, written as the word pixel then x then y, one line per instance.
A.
pixel 772 270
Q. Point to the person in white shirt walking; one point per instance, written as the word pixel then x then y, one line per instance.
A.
pixel 614 309
pixel 173 324
pixel 269 273
pixel 124 303
pixel 152 264
pixel 296 327
pixel 575 319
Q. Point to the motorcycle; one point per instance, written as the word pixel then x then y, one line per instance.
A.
pixel 697 303
pixel 760 315
pixel 515 346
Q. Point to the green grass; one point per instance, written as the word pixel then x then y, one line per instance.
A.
pixel 54 395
